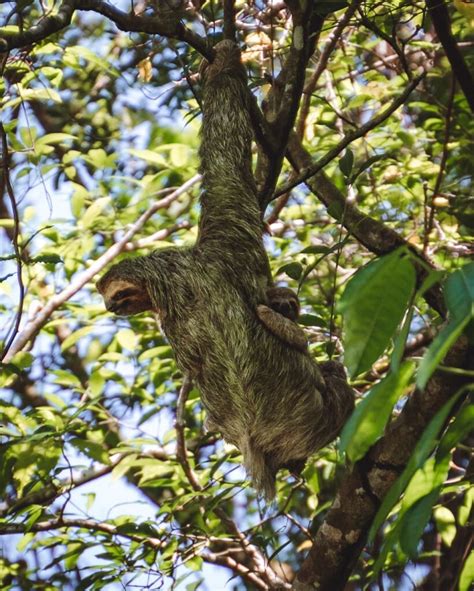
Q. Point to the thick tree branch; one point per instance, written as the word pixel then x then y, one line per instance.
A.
pixel 342 536
pixel 229 19
pixel 440 18
pixel 124 21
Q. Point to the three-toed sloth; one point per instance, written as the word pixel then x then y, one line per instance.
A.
pixel 231 330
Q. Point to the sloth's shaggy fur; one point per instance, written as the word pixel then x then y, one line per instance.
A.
pixel 268 398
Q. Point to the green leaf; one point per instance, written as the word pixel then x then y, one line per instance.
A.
pixel 373 305
pixel 459 293
pixel 467 574
pixel 457 431
pixel 75 336
pixel 54 138
pixel 22 360
pixel 414 522
pixel 34 514
pixel 91 449
pixel 346 162
pixel 459 297
pixel 65 378
pixel 36 94
pixel 446 524
pixel 127 338
pixel 312 320
pixel 52 259
pixel 25 541
pixel 180 155
pixel 420 496
pixel 400 341
pixel 79 51
pixel 93 211
pixel 96 382
pixel 426 479
pixel 150 157
pixel 464 511
pixel 370 416
pixel 195 563
pixel 293 270
pixel 316 249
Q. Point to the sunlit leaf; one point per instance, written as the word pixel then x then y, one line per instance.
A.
pixel 373 305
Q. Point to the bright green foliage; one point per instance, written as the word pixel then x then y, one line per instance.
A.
pixel 102 127
pixel 373 305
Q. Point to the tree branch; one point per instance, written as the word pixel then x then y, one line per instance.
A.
pixel 440 18
pixel 229 19
pixel 342 536
pixel 15 237
pixel 238 568
pixel 129 22
pixel 61 522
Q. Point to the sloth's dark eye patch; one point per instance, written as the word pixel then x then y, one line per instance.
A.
pixel 125 293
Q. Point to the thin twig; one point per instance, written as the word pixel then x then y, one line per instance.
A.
pixel 16 233
pixel 180 425
pixel 42 317
pixel 442 165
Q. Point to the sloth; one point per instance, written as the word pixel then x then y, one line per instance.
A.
pixel 232 331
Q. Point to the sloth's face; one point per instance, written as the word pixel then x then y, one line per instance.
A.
pixel 287 307
pixel 284 301
pixel 123 297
